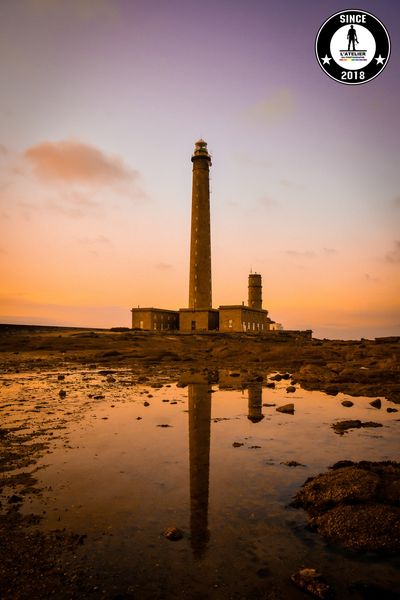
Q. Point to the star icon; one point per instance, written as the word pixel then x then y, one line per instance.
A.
pixel 326 59
pixel 379 60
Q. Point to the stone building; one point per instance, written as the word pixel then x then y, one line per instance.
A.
pixel 155 319
pixel 252 318
pixel 200 316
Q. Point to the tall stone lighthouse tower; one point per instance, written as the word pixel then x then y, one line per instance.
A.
pixel 200 244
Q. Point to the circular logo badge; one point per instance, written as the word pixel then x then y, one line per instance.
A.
pixel 352 46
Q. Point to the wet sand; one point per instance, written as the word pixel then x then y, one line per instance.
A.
pixel 94 372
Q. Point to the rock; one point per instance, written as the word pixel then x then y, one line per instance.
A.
pixel 347 403
pixel 346 484
pixel 268 404
pixel 110 379
pixel 60 377
pixel 286 376
pixel 138 418
pixel 366 528
pixel 237 444
pixel 376 403
pixel 355 505
pixel 145 403
pixel 286 408
pixel 371 424
pixel 263 572
pixel 173 534
pixel 164 425
pixel 290 389
pixel 292 463
pixel 391 410
pixel 14 499
pixel 332 390
pixel 234 374
pixel 276 377
pixel 62 393
pixel 270 384
pixel 99 397
pixel 342 426
pixel 312 582
pixel 314 373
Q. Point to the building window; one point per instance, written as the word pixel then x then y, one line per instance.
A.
pixel 230 323
pixel 140 324
pixel 254 326
pixel 248 325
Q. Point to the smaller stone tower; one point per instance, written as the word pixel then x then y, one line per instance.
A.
pixel 255 291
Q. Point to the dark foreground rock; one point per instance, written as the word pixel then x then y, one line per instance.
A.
pixel 355 505
pixel 312 582
pixel 343 426
pixel 286 408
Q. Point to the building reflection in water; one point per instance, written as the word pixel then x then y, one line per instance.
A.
pixel 199 456
pixel 255 403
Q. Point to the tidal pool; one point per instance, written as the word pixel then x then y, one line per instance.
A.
pixel 127 460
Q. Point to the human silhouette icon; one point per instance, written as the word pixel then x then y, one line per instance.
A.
pixel 352 37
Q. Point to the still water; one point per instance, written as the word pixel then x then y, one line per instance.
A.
pixel 129 460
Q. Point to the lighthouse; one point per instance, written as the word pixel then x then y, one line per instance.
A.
pixel 200 241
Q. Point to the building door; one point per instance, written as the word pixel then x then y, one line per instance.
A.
pixel 140 324
pixel 193 325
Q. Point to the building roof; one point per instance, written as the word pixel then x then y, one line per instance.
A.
pixel 152 309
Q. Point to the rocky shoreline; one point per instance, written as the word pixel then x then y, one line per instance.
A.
pixel 358 368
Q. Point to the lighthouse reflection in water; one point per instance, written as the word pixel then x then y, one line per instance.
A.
pixel 199 456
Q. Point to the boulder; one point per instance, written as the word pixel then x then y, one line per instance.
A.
pixel 376 403
pixel 286 408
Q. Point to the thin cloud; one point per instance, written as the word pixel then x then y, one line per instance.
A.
pixel 3 150
pixel 98 240
pixel 393 257
pixel 302 254
pixel 73 204
pixel 161 266
pixel 370 278
pixel 329 251
pixel 275 108
pixel 71 161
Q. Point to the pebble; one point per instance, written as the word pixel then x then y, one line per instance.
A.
pixel 173 534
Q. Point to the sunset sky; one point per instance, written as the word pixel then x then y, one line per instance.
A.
pixel 101 102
